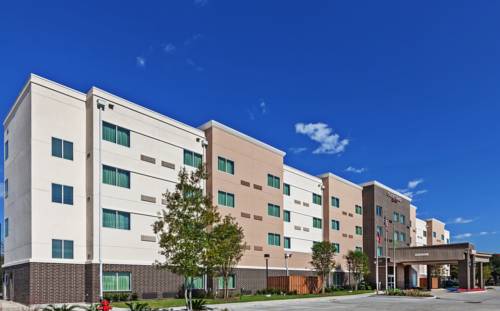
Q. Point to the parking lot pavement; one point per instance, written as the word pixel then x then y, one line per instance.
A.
pixel 485 301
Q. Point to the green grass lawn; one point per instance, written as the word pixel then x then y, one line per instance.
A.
pixel 172 302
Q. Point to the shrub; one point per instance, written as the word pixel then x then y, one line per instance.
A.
pixel 134 296
pixel 409 293
pixel 64 307
pixel 108 296
pixel 198 305
pixel 124 296
pixel 137 306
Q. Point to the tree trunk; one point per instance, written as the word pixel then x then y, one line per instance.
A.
pixel 225 286
pixel 323 284
pixel 190 299
pixel 186 299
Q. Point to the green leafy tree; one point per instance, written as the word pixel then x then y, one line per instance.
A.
pixel 226 247
pixel 454 271
pixel 184 228
pixel 322 260
pixel 495 267
pixel 357 262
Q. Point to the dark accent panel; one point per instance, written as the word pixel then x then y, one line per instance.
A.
pixel 245 183
pixel 146 158
pixel 147 198
pixel 257 217
pixel 168 165
pixel 257 187
pixel 56 283
pixel 18 284
pixel 245 215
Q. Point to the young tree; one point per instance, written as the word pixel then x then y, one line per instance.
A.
pixel 226 247
pixel 357 262
pixel 322 260
pixel 184 228
pixel 495 266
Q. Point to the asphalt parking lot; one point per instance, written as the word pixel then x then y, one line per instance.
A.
pixel 444 301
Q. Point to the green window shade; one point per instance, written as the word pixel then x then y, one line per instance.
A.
pixel 286 189
pixel 379 251
pixel 6 150
pixel 396 234
pixel 402 219
pixel 56 147
pixel 359 249
pixel 335 202
pixel 109 281
pixel 197 160
pixel 276 182
pixel 68 150
pixel 57 193
pixel 57 249
pixel 221 198
pixel 286 216
pixel 359 230
pixel 6 188
pixel 123 220
pixel 395 217
pixel 316 199
pixel 359 210
pixel 287 242
pixel 336 247
pixel 317 223
pixel 221 164
pixel 123 281
pixel 196 282
pixel 109 132
pixel 270 180
pixel 273 239
pixel 68 195
pixel 273 210
pixel 335 225
pixel 379 210
pixel 188 158
pixel 231 282
pixel 123 137
pixel 68 249
pixel 230 167
pixel 230 200
pixel 108 218
pixel 123 178
pixel 108 175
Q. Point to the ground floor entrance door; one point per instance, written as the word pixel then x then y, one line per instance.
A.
pixel 390 281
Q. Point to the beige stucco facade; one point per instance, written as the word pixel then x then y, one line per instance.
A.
pixel 350 196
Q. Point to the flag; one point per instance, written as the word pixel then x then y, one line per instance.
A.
pixel 378 237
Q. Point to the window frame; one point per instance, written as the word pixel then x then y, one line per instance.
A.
pixel 317 199
pixel 225 195
pixel 358 209
pixel 116 275
pixel 6 150
pixel 117 214
pixel 225 168
pixel 116 137
pixel 194 156
pixel 286 189
pixel 271 210
pixel 335 225
pixel 287 216
pixel 379 210
pixel 273 181
pixel 317 221
pixel 335 201
pixel 272 238
pixel 359 230
pixel 116 171
pixel 64 152
pixel 63 249
pixel 6 227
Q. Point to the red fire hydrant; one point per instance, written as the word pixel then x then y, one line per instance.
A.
pixel 104 306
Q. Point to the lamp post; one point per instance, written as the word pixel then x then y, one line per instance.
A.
pixel 100 106
pixel 266 256
pixel 286 262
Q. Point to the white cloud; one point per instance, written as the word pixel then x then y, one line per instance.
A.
pixel 412 184
pixel 460 220
pixel 410 190
pixel 330 143
pixel 483 233
pixel 462 236
pixel 297 150
pixel 194 65
pixel 140 61
pixel 169 48
pixel 355 170
pixel 263 107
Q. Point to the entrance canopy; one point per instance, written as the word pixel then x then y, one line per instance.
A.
pixel 439 254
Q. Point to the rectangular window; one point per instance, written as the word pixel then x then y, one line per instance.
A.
pixel 273 239
pixel 231 282
pixel 359 210
pixel 380 231
pixel 442 237
pixel 197 282
pixel 6 150
pixel 116 281
pixel 6 188
pixel 286 189
pixel 379 251
pixel 286 216
pixel 287 243
pixel 335 224
pixel 273 210
pixel 396 236
pixel 62 194
pixel 316 199
pixel 115 134
pixel 115 176
pixel 6 225
pixel 225 199
pixel 379 210
pixel 335 202
pixel 402 237
pixel 433 234
pixel 62 249
pixel 273 181
pixel 402 219
pixel 225 165
pixel 192 158
pixel 115 219
pixel 62 148
pixel 359 230
pixel 336 246
pixel 395 217
pixel 359 249
pixel 317 223
pixel 425 233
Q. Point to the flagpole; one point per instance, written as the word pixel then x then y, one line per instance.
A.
pixel 376 258
pixel 394 252
pixel 386 255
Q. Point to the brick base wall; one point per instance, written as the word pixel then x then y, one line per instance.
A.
pixel 42 283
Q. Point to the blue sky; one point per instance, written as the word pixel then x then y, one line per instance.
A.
pixel 403 92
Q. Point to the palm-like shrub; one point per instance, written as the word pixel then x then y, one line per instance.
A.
pixel 199 304
pixel 137 306
pixel 63 307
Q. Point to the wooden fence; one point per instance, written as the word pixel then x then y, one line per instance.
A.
pixel 296 283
